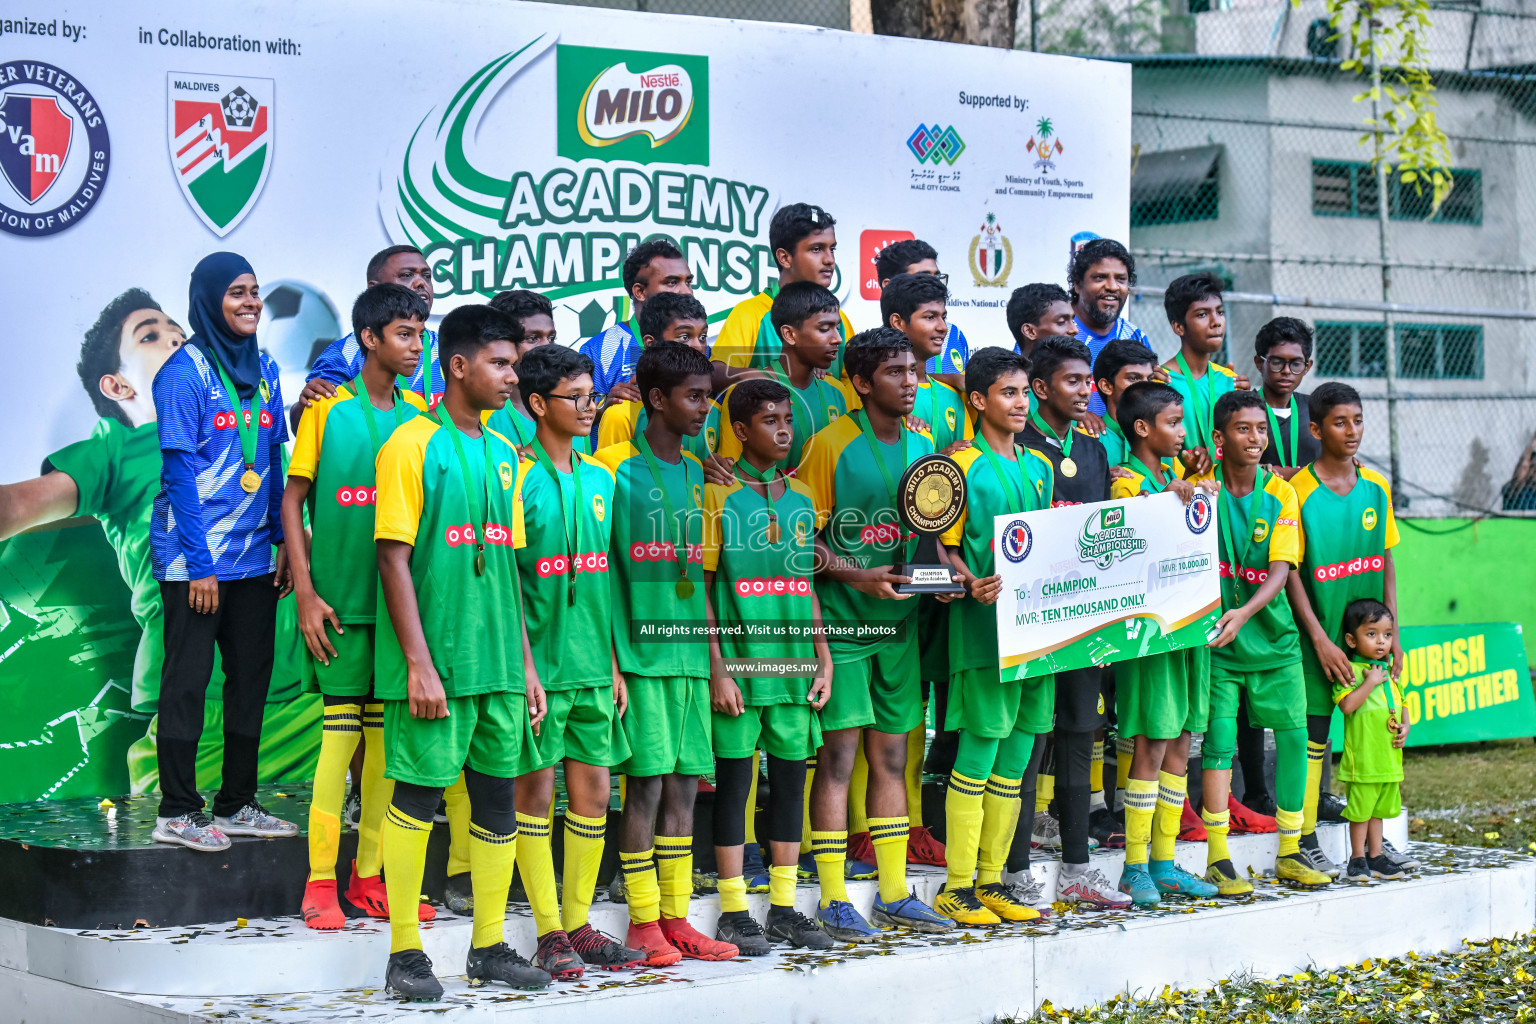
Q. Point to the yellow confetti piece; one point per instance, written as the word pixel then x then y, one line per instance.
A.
pixel 106 803
pixel 241 922
pixel 1490 835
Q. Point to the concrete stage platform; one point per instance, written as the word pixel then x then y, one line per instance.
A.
pixel 277 971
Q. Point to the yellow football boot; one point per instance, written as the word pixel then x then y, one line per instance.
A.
pixel 1004 901
pixel 964 908
pixel 1227 883
pixel 1294 871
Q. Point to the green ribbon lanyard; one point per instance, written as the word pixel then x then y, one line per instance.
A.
pixel 1045 428
pixel 367 404
pixel 1255 505
pixel 482 514
pixel 244 424
pixel 570 518
pixel 517 430
pixel 1201 431
pixel 1150 481
pixel 1274 433
pixel 678 536
pixel 1386 669
pixel 1007 479
pixel 818 385
pixel 766 478
pixel 875 450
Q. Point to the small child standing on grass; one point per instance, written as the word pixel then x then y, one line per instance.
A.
pixel 1375 730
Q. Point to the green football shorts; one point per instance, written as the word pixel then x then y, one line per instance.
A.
pixel 350 673
pixel 667 726
pixel 1277 697
pixel 582 725
pixel 1152 696
pixel 789 731
pixel 485 732
pixel 983 704
pixel 1197 717
pixel 1369 800
pixel 880 691
pixel 1319 692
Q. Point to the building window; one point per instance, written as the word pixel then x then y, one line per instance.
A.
pixel 1424 351
pixel 1175 186
pixel 1343 188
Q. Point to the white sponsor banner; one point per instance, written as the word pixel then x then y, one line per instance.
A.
pixel 521 145
pixel 1106 581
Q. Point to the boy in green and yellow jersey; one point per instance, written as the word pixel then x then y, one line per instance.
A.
pixel 655 558
pixel 1257 650
pixel 1375 730
pixel 803 238
pixel 1118 365
pixel 852 469
pixel 564 500
pixel 336 582
pixel 1163 698
pixel 667 317
pixel 759 551
pixel 1197 315
pixel 453 666
pixel 1347 534
pixel 533 317
pixel 997 720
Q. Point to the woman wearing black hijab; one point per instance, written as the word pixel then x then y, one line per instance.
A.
pixel 216 524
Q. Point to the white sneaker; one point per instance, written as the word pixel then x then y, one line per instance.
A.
pixel 1319 860
pixel 1402 860
pixel 1046 831
pixel 255 820
pixel 192 830
pixel 1028 890
pixel 1089 885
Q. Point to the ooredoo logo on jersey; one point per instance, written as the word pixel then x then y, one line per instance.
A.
pixel 54 149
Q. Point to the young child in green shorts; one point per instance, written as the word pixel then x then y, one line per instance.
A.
pixel 563 499
pixel 335 582
pixel 1162 698
pixel 997 720
pixel 1257 650
pixel 1375 729
pixel 453 666
pixel 759 549
pixel 655 558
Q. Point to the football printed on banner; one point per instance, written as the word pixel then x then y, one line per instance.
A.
pixel 630 105
pixel 220 131
pixel 54 150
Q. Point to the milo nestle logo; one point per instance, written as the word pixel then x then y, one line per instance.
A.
pixel 1104 538
pixel 632 105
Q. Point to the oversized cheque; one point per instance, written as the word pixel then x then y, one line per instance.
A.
pixel 1092 584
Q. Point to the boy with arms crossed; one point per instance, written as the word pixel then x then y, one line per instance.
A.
pixel 997 721
pixel 452 658
pixel 1163 698
pixel 1257 649
pixel 564 499
pixel 1348 532
pixel 759 550
pixel 655 556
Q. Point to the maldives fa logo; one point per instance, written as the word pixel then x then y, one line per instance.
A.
pixel 1368 519
pixel 505 472
pixel 54 150
pixel 991 255
pixel 629 104
pixel 599 509
pixel 1197 514
pixel 932 144
pixel 1104 538
pixel 1046 146
pixel 1260 531
pixel 219 130
pixel 1017 540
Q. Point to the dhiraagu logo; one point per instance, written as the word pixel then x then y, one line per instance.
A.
pixel 632 105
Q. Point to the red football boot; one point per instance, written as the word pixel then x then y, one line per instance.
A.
pixel 860 848
pixel 649 939
pixel 1191 828
pixel 368 895
pixel 922 848
pixel 320 909
pixel 1247 822
pixel 694 944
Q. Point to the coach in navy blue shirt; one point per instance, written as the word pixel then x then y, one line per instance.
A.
pixel 217 545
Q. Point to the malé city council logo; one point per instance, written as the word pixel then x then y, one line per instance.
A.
pixel 632 105
pixel 219 130
pixel 54 149
pixel 932 144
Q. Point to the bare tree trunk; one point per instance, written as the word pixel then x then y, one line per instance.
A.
pixel 982 22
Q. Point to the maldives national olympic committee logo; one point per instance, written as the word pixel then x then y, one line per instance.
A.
pixel 1017 541
pixel 1197 514
pixel 54 149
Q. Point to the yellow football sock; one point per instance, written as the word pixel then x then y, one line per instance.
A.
pixel 674 871
pixel 536 864
pixel 1289 823
pixel 751 809
pixel 1125 752
pixel 405 861
pixel 583 858
pixel 1170 808
pixel 917 740
pixel 1000 809
pixel 456 797
pixel 805 806
pixel 830 849
pixel 640 888
pixel 338 739
pixel 1045 790
pixel 377 793
pixel 1140 801
pixel 858 791
pixel 492 857
pixel 1315 754
pixel 781 885
pixel 889 838
pixel 1217 825
pixel 733 895
pixel 1096 777
pixel 963 817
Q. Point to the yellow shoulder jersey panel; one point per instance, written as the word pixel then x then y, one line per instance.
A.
pixel 397 511
pixel 818 470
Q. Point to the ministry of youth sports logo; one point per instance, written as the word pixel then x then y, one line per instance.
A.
pixel 219 129
pixel 1197 514
pixel 1017 541
pixel 54 149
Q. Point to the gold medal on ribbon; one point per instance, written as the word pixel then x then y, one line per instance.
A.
pixel 685 588
pixel 773 531
pixel 1068 468
pixel 250 481
pixel 480 563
